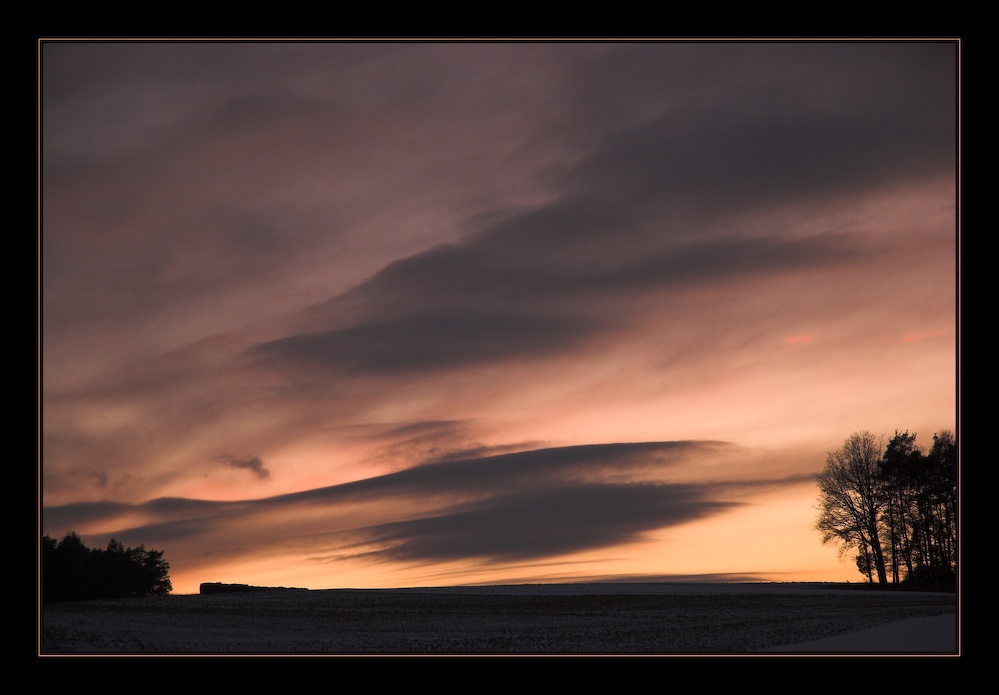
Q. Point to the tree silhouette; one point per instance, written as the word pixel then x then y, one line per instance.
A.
pixel 851 499
pixel 72 572
pixel 898 473
pixel 897 509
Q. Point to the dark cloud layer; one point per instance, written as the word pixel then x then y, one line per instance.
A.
pixel 473 304
pixel 712 164
pixel 507 507
pixel 650 208
pixel 496 270
pixel 550 522
pixel 432 341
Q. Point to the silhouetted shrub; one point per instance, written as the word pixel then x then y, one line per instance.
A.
pixel 73 572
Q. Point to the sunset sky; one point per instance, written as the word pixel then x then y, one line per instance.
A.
pixel 379 314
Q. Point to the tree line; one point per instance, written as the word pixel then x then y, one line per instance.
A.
pixel 72 572
pixel 894 507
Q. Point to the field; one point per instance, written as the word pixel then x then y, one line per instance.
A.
pixel 532 619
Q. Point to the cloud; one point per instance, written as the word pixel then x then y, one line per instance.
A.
pixel 432 441
pixel 709 165
pixel 503 296
pixel 691 196
pixel 439 340
pixel 542 523
pixel 524 259
pixel 255 465
pixel 507 507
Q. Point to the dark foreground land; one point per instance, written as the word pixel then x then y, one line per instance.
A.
pixel 549 619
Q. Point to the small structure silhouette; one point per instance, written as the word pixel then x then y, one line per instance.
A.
pixel 220 588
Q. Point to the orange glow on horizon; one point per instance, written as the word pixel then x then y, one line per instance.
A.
pixel 750 540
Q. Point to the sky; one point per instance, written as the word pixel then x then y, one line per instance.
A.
pixel 387 313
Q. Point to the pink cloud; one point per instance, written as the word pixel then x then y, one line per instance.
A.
pixel 913 337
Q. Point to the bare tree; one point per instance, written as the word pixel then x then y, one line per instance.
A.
pixel 851 499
